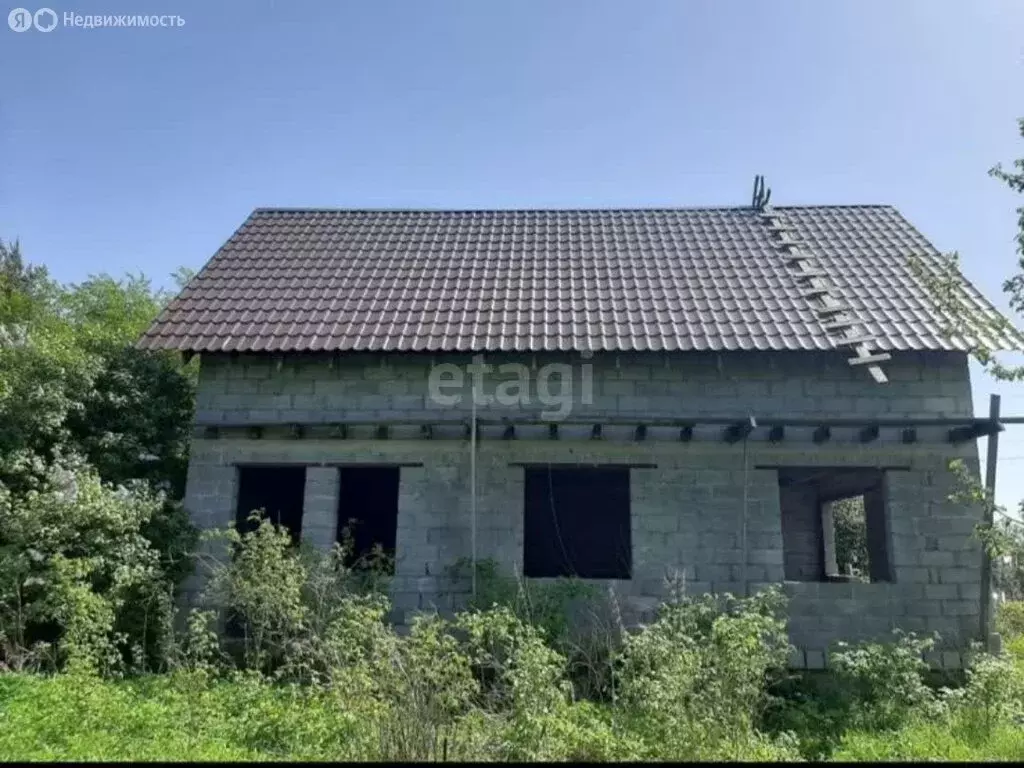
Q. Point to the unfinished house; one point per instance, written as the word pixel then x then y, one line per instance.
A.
pixel 734 396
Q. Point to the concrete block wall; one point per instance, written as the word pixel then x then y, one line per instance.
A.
pixel 687 512
pixel 251 388
pixel 801 533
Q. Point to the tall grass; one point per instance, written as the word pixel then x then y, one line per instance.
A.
pixel 316 672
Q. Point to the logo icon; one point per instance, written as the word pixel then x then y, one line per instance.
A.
pixel 45 20
pixel 20 20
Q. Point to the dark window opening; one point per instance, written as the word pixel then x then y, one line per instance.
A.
pixel 577 523
pixel 368 516
pixel 278 491
pixel 834 525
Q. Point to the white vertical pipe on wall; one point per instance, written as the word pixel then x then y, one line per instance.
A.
pixel 743 521
pixel 472 493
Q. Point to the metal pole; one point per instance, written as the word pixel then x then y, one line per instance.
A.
pixel 472 492
pixel 991 460
pixel 743 519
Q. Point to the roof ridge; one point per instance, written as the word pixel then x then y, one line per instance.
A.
pixel 596 209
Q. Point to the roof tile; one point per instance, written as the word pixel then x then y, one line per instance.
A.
pixel 531 280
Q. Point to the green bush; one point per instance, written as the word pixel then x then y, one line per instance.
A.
pixel 1010 619
pixel 569 613
pixel 318 673
pixel 979 721
pixel 79 579
pixel 885 682
pixel 694 683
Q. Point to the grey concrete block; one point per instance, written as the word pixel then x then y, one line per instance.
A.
pixel 959 607
pixel 940 591
pixel 960 575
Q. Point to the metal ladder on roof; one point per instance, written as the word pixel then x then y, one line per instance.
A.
pixel 837 319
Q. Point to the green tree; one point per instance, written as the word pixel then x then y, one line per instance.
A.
pixel 851 536
pixel 72 381
pixel 75 389
pixel 1004 539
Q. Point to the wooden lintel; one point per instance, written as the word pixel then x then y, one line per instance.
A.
pixel 777 434
pixel 641 432
pixel 509 433
pixel 686 433
pixel 822 434
pixel 595 432
pixel 909 435
pixel 869 433
pixel 552 431
pixel 578 464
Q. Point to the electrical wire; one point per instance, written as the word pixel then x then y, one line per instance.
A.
pixel 554 518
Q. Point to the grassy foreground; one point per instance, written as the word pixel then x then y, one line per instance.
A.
pixel 186 717
pixel 319 673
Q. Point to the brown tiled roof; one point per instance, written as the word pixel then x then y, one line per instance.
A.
pixel 532 280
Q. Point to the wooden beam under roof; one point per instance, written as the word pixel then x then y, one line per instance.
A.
pixel 866 428
pixel 869 433
pixel 740 430
pixel 973 431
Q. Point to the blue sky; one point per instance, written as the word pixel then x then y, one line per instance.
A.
pixel 142 149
